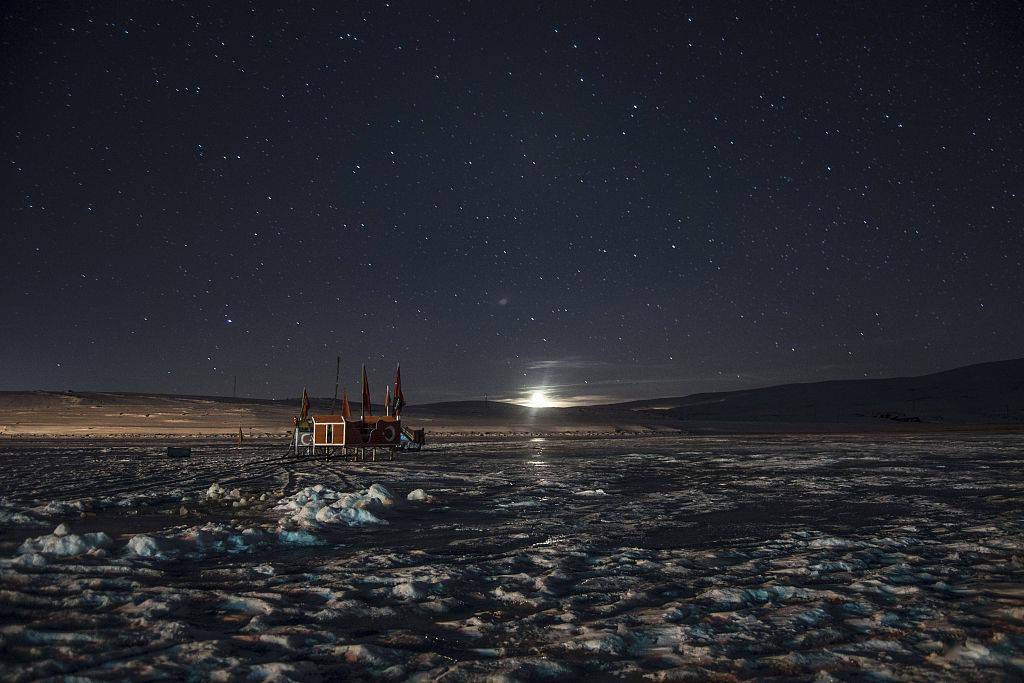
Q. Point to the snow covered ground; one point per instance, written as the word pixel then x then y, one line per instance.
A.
pixel 661 558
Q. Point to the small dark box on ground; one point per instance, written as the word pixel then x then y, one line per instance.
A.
pixel 178 451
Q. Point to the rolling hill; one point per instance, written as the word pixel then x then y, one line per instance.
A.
pixel 984 393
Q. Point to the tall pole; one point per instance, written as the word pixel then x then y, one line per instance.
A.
pixel 337 376
pixel 234 387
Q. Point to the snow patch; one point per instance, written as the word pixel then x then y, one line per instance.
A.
pixel 316 506
pixel 65 544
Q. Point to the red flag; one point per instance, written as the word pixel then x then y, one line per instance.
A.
pixel 346 409
pixel 304 412
pixel 399 396
pixel 367 408
pixel 387 401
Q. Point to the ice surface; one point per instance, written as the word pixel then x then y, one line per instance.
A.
pixel 810 558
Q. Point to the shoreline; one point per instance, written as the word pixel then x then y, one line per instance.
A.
pixel 753 430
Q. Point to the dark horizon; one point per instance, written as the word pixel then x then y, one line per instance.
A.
pixel 594 204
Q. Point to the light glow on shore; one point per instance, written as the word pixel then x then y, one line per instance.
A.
pixel 538 399
pixel 545 396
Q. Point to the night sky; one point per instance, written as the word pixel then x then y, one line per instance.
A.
pixel 608 200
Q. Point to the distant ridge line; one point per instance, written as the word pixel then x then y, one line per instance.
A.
pixel 990 392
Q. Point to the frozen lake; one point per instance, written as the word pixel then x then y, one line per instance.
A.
pixel 660 558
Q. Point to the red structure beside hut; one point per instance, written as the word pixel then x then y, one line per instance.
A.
pixel 344 433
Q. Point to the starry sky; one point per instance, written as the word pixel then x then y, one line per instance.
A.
pixel 602 201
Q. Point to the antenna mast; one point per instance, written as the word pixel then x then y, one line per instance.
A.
pixel 337 376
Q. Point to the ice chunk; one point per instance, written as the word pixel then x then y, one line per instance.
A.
pixel 381 494
pixel 832 566
pixel 832 543
pixel 198 541
pixel 8 516
pixel 143 546
pixel 345 515
pixel 31 560
pixel 59 508
pixel 419 496
pixel 69 545
pixel 408 591
pixel 298 538
pixel 280 672
pixel 366 655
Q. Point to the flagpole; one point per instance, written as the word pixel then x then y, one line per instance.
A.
pixel 337 377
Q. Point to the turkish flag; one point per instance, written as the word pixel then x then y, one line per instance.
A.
pixel 346 409
pixel 399 396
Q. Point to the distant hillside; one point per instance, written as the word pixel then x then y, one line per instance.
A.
pixel 987 393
